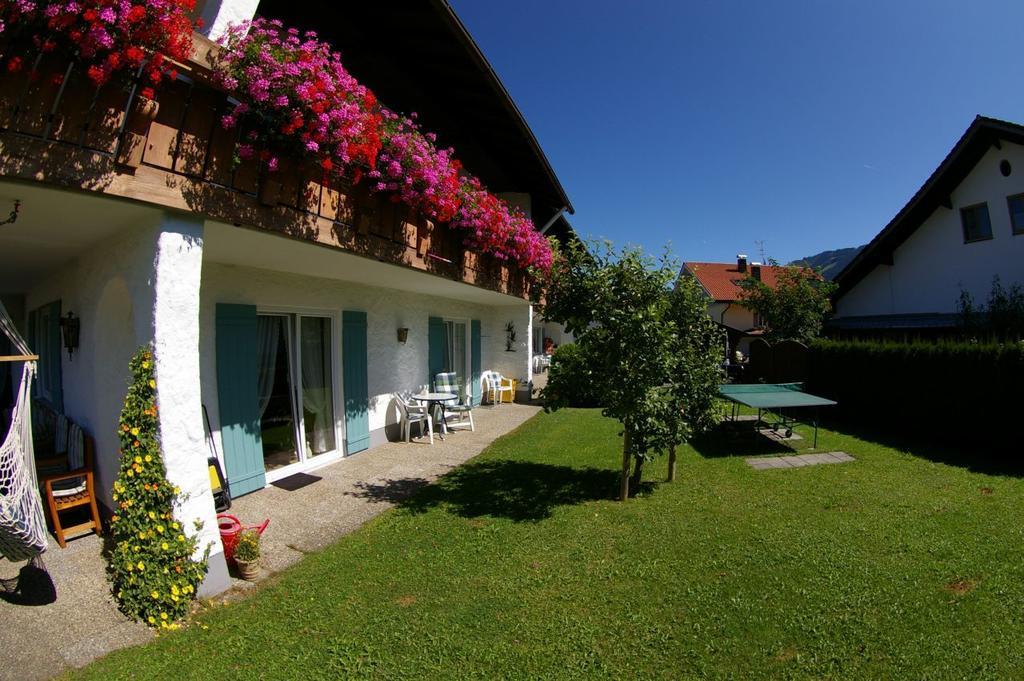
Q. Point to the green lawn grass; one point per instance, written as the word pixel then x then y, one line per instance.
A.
pixel 518 565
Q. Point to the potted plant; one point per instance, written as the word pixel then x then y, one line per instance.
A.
pixel 510 337
pixel 247 554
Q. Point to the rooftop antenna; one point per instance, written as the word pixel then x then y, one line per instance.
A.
pixel 760 248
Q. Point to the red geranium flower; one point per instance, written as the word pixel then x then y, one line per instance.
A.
pixel 136 14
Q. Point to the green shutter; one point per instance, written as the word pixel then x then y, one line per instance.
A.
pixel 53 358
pixel 354 362
pixel 237 367
pixel 474 359
pixel 435 349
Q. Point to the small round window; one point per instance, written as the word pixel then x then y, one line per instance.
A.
pixel 1005 168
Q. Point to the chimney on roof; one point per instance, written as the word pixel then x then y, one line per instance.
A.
pixel 755 270
pixel 741 262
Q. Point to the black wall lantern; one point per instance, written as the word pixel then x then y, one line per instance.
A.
pixel 69 328
pixel 403 335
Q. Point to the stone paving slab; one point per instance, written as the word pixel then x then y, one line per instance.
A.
pixel 797 461
pixel 40 642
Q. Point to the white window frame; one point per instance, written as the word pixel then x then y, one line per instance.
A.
pixel 964 210
pixel 467 379
pixel 1015 229
pixel 538 339
pixel 43 323
pixel 293 313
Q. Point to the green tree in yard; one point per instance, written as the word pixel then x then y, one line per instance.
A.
pixel 647 346
pixel 694 367
pixel 795 309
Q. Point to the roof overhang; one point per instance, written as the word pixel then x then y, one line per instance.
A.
pixel 982 134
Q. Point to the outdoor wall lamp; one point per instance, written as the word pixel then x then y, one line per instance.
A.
pixel 403 335
pixel 69 328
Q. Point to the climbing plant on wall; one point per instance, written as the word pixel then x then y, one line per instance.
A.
pixel 151 566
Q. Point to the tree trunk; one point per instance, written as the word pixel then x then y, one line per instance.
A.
pixel 624 483
pixel 638 472
pixel 671 462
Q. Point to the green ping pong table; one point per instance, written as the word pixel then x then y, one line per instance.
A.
pixel 773 399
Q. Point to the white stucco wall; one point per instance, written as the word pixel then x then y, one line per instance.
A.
pixel 109 288
pixel 177 269
pixel 556 332
pixel 217 15
pixel 932 265
pixel 733 315
pixel 140 286
pixel 392 366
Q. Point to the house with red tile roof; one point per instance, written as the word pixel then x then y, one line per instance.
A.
pixel 720 282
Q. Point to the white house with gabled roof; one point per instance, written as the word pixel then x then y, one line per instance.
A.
pixel 961 229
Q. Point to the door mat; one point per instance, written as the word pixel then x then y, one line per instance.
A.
pixel 297 481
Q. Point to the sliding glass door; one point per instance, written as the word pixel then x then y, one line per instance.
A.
pixel 295 390
pixel 456 354
pixel 274 391
pixel 319 424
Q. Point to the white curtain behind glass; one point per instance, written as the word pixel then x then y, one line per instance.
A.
pixel 268 335
pixel 317 398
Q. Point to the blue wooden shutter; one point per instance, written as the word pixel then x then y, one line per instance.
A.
pixel 354 362
pixel 237 366
pixel 474 359
pixel 435 349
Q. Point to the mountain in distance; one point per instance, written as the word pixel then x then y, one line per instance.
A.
pixel 830 263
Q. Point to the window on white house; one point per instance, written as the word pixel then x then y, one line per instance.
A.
pixel 1016 206
pixel 976 223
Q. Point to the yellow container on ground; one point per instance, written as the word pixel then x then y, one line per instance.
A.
pixel 509 397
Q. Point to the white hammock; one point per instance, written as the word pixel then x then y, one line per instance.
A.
pixel 22 523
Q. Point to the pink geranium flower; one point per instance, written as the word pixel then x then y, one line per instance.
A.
pixel 301 102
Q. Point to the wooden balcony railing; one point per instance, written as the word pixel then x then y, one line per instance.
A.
pixel 56 127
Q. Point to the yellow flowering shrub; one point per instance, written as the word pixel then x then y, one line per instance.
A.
pixel 153 580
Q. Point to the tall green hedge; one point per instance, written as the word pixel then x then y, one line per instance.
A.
pixel 952 390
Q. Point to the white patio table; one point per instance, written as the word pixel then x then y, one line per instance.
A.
pixel 435 401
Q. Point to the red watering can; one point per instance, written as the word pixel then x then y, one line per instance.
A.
pixel 230 527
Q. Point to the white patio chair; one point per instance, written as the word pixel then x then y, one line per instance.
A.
pixel 449 383
pixel 495 385
pixel 414 413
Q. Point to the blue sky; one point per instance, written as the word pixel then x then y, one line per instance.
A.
pixel 715 124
